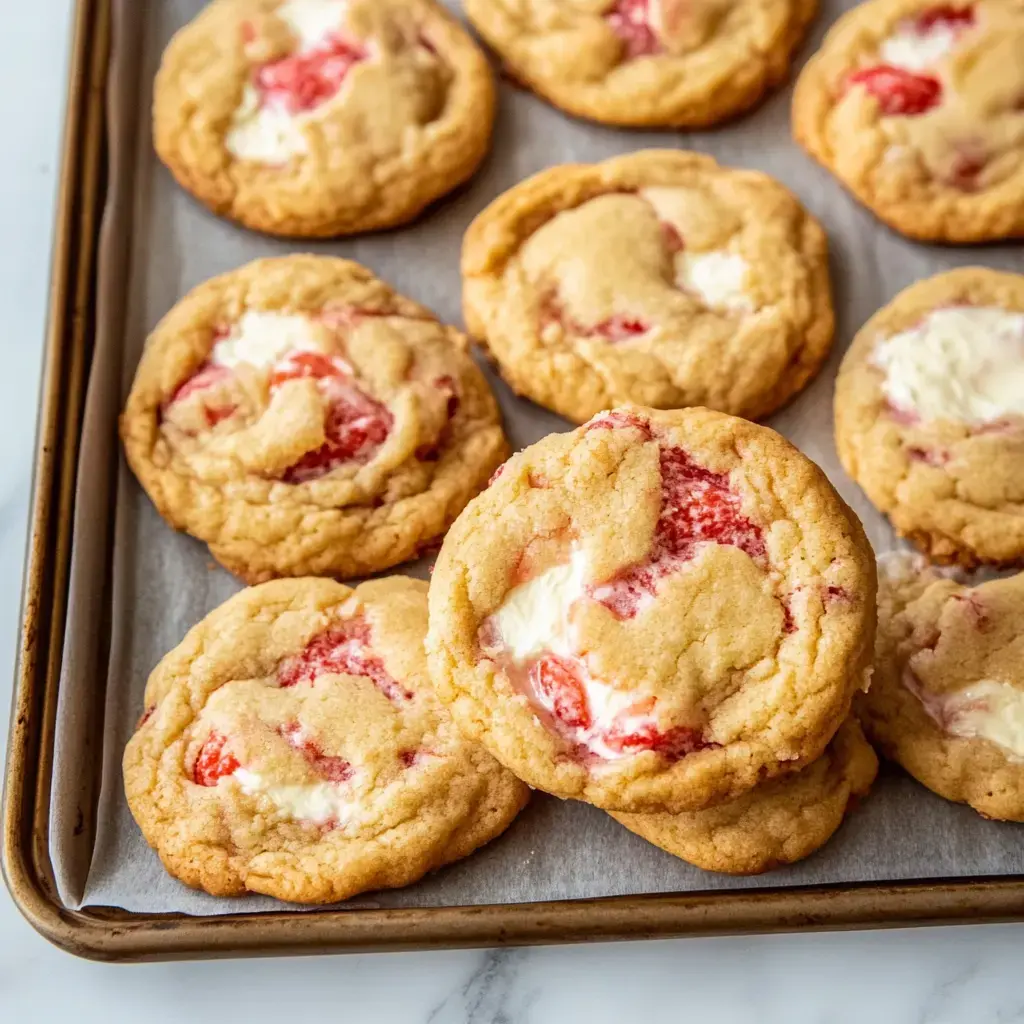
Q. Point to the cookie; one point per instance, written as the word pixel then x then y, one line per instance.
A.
pixel 649 63
pixel 302 418
pixel 947 697
pixel 292 746
pixel 917 108
pixel 656 611
pixel 929 412
pixel 658 278
pixel 777 823
pixel 322 117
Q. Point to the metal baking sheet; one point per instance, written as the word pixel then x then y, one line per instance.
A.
pixel 158 243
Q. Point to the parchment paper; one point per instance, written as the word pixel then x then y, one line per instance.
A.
pixel 144 590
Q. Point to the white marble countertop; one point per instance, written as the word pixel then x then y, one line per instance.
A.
pixel 955 975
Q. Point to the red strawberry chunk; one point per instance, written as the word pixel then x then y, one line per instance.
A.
pixel 355 425
pixel 329 767
pixel 672 744
pixel 560 687
pixel 303 81
pixel 620 328
pixel 672 238
pixel 943 16
pixel 213 761
pixel 630 20
pixel 697 507
pixel 343 650
pixel 899 92
pixel 206 376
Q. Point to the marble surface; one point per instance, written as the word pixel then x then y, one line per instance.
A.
pixel 930 976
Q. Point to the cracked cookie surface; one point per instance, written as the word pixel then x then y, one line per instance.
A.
pixel 651 63
pixel 929 413
pixel 658 278
pixel 302 418
pixel 584 617
pixel 322 117
pixel 291 745
pixel 947 696
pixel 918 108
pixel 779 822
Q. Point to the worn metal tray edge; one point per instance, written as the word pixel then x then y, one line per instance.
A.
pixel 102 933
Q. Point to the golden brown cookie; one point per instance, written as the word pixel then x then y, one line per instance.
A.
pixel 947 696
pixel 653 612
pixel 322 117
pixel 777 823
pixel 291 745
pixel 918 108
pixel 929 413
pixel 658 278
pixel 650 63
pixel 302 418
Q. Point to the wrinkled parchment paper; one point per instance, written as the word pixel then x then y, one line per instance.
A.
pixel 140 585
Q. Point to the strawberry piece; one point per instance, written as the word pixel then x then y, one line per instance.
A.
pixel 303 81
pixel 620 328
pixel 672 744
pixel 558 684
pixel 944 16
pixel 312 365
pixel 617 418
pixel 213 762
pixel 672 238
pixel 697 507
pixel 968 164
pixel 355 425
pixel 630 20
pixel 328 766
pixel 206 376
pixel 899 92
pixel 343 650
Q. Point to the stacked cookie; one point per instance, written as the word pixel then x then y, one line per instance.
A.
pixel 665 614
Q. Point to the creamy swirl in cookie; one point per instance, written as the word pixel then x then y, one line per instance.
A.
pixel 963 363
pixel 300 417
pixel 583 608
pixel 930 414
pixel 292 746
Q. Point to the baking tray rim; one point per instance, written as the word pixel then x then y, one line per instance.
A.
pixel 111 934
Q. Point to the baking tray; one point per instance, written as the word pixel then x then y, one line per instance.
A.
pixel 114 934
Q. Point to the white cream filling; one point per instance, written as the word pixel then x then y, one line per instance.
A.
pixel 961 363
pixel 260 339
pixel 913 50
pixel 317 802
pixel 534 617
pixel 718 277
pixel 990 711
pixel 534 620
pixel 268 133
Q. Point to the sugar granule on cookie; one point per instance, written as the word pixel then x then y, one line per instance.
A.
pixel 658 278
pixel 916 107
pixel 650 63
pixel 929 412
pixel 322 117
pixel 291 746
pixel 947 698
pixel 779 822
pixel 654 612
pixel 302 418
